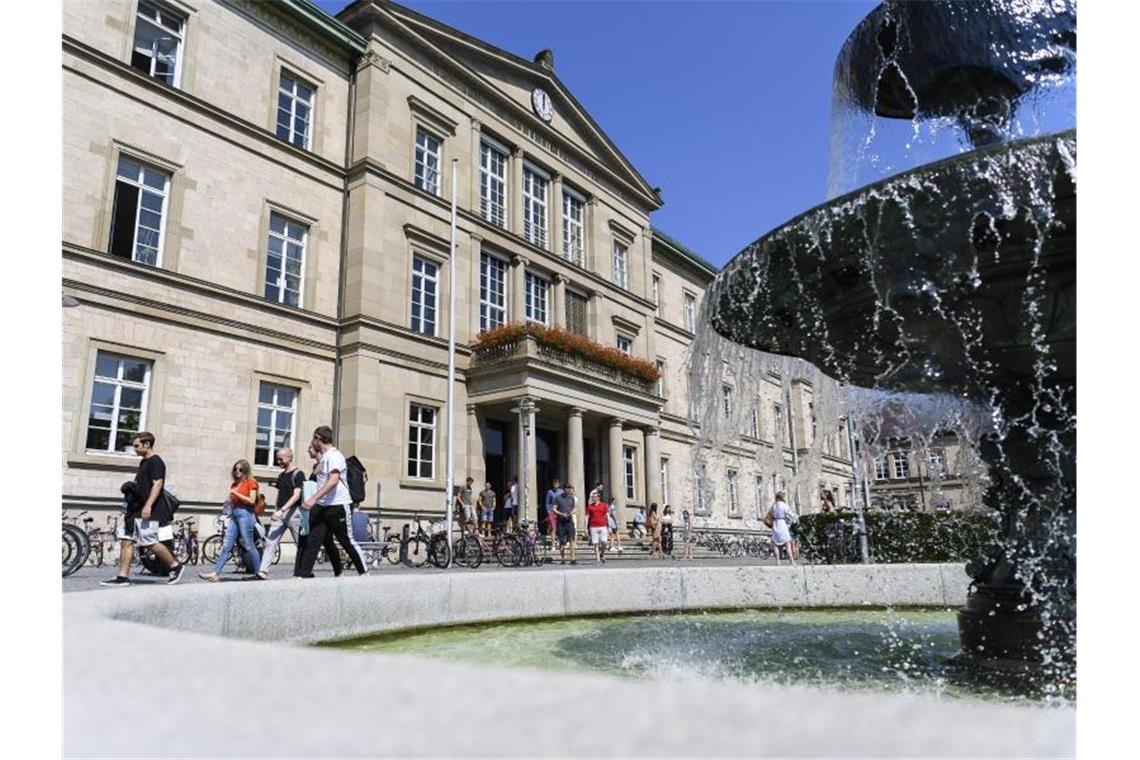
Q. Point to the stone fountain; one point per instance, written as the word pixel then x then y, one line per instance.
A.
pixel 953 277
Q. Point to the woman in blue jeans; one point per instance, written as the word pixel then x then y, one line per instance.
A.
pixel 243 494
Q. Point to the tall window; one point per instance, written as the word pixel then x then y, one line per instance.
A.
pixel 295 110
pixel 880 468
pixel 425 281
pixel 421 441
pixel 629 456
pixel 625 344
pixel 158 42
pixel 661 378
pixel 537 295
pixel 276 422
pixel 732 478
pixel 535 187
pixel 493 185
pixel 285 262
pixel 689 312
pixel 777 422
pixel 760 507
pixel 573 227
pixel 118 402
pixel 621 265
pixel 937 462
pixel 726 400
pixel 427 161
pixel 492 292
pixel 576 313
pixel 664 480
pixel 902 466
pixel 702 499
pixel 139 211
pixel 754 423
pixel 655 292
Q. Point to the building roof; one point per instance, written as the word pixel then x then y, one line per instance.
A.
pixel 328 27
pixel 684 252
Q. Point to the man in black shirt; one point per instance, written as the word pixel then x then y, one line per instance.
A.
pixel 147 513
pixel 287 516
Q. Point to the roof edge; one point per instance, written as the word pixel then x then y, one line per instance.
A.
pixel 328 27
pixel 684 252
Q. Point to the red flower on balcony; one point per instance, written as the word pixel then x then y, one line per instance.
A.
pixel 567 342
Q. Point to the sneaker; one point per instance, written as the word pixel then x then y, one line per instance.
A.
pixel 118 580
pixel 211 577
pixel 263 575
pixel 175 575
pixel 573 562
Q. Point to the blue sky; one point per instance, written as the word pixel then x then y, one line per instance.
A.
pixel 724 105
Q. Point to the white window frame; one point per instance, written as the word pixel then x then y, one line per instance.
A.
pixel 661 378
pixel 425 177
pixel 732 481
pixel 702 504
pixel 492 312
pixel 629 468
pixel 621 265
pixel 754 423
pixel 139 181
pixel 726 401
pixel 119 384
pixel 937 462
pixel 689 312
pixel 664 480
pixel 882 471
pixel 161 13
pixel 287 242
pixel 426 273
pixel 573 227
pixel 274 409
pixel 900 466
pixel 417 429
pixel 536 202
pixel 655 291
pixel 537 298
pixel 295 98
pixel 491 184
pixel 625 344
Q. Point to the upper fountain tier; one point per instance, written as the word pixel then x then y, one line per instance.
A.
pixel 920 81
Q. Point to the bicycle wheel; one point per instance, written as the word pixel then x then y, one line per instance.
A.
pixel 440 551
pixel 96 556
pixel 415 550
pixel 211 548
pixel 181 551
pixel 467 552
pixel 391 552
pixel 72 551
pixel 539 553
pixel 508 551
pixel 81 548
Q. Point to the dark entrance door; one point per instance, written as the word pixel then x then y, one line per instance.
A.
pixel 495 455
pixel 548 466
pixel 589 468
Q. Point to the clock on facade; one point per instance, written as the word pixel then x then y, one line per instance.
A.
pixel 543 106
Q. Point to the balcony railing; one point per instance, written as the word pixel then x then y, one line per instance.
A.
pixel 526 348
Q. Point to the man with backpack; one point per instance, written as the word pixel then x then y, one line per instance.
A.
pixel 287 515
pixel 329 506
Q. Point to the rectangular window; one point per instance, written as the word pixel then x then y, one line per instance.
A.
pixel 573 229
pixel 661 378
pixel 425 282
pixel 689 313
pixel 427 161
pixel 295 110
pixel 655 292
pixel 621 265
pixel 625 344
pixel 881 468
pixel 158 42
pixel 139 212
pixel 732 478
pixel 702 499
pixel 537 295
pixel 421 441
pixel 937 462
pixel 902 466
pixel 535 187
pixel 760 507
pixel 629 456
pixel 777 422
pixel 492 292
pixel 664 480
pixel 726 400
pixel 285 262
pixel 276 422
pixel 493 185
pixel 754 424
pixel 577 320
pixel 118 402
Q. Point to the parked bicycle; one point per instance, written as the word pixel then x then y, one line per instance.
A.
pixel 526 548
pixel 420 547
pixel 76 548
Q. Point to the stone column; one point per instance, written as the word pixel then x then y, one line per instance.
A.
pixel 617 470
pixel 653 467
pixel 517 308
pixel 528 489
pixel 515 193
pixel 575 463
pixel 554 205
pixel 557 305
pixel 476 466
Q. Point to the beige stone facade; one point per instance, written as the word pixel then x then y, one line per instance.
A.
pixel 393 99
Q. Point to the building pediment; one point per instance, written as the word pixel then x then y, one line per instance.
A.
pixel 510 82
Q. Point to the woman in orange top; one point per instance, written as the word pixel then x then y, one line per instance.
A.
pixel 243 494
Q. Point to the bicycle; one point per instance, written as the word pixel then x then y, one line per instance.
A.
pixel 212 547
pixel 527 548
pixel 420 547
pixel 470 548
pixel 75 549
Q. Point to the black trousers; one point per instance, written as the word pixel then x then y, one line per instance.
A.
pixel 330 552
pixel 667 540
pixel 323 521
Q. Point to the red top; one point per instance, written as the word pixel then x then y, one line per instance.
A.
pixel 245 488
pixel 597 515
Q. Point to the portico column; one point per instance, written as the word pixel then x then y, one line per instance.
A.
pixel 616 485
pixel 528 480
pixel 575 462
pixel 653 466
pixel 518 285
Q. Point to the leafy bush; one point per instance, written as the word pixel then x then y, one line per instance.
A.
pixel 899 536
pixel 569 343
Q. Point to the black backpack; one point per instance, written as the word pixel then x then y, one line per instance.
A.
pixel 356 476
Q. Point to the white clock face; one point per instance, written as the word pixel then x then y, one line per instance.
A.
pixel 543 106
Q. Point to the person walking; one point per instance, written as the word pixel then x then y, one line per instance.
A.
pixel 148 512
pixel 667 531
pixel 329 506
pixel 486 504
pixel 308 488
pixel 239 501
pixel 564 511
pixel 612 522
pixel 638 530
pixel 687 534
pixel 781 515
pixel 286 516
pixel 548 504
pixel 597 522
pixel 653 525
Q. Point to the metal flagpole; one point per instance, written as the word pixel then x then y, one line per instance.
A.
pixel 856 495
pixel 451 285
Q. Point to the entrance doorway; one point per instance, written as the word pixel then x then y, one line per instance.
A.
pixel 495 455
pixel 548 465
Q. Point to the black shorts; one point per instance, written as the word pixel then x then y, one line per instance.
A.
pixel 565 531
